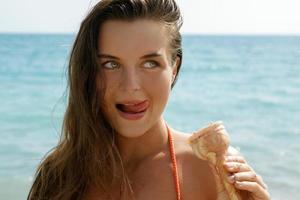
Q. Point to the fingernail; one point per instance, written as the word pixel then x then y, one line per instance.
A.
pixel 231 179
pixel 228 165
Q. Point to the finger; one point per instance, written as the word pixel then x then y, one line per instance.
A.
pixel 247 176
pixel 243 176
pixel 239 159
pixel 234 167
pixel 254 188
pixel 261 182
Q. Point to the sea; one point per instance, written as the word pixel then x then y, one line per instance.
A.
pixel 250 82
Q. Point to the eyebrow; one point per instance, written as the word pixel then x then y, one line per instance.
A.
pixel 155 54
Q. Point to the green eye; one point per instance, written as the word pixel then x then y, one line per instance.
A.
pixel 110 65
pixel 151 64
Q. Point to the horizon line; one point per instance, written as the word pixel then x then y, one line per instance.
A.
pixel 183 34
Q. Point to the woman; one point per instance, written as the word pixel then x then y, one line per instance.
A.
pixel 115 142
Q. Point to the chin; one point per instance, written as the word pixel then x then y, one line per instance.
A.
pixel 131 133
pixel 133 129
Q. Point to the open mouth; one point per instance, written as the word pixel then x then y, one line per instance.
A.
pixel 133 108
pixel 133 111
pixel 130 110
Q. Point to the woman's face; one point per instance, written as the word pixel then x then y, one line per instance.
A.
pixel 135 59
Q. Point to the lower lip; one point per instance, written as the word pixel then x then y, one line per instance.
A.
pixel 132 116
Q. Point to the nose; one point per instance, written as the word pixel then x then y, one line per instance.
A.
pixel 130 80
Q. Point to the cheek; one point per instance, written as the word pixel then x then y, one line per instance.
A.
pixel 159 89
pixel 110 86
pixel 107 95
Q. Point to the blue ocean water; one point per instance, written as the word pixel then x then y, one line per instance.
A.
pixel 251 83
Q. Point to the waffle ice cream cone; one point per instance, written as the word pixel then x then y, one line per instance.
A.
pixel 211 143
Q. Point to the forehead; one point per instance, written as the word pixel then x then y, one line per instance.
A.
pixel 132 37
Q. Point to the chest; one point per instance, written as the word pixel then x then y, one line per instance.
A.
pixel 154 180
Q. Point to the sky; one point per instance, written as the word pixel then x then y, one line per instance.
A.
pixel 200 16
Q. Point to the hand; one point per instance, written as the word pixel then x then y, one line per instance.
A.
pixel 245 179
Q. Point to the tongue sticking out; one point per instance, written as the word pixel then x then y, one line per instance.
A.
pixel 133 108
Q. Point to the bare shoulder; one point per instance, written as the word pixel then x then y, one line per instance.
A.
pixel 196 175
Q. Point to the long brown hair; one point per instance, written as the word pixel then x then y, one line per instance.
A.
pixel 86 154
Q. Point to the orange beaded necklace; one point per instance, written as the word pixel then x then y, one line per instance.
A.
pixel 174 165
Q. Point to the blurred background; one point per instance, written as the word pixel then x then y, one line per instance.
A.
pixel 241 65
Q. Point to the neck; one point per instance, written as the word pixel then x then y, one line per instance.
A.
pixel 134 150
